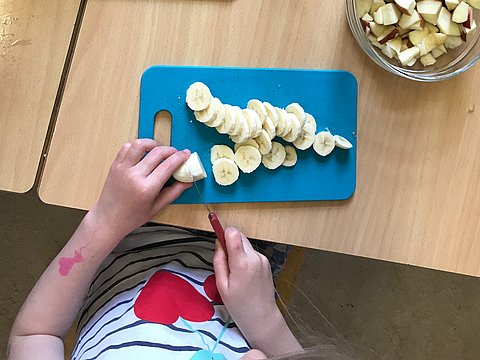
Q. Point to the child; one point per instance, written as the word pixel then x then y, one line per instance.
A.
pixel 161 293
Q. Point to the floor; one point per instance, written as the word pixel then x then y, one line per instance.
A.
pixel 378 310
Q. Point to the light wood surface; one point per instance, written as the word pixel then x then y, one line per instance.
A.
pixel 417 200
pixel 34 39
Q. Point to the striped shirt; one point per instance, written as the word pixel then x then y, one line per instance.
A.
pixel 155 298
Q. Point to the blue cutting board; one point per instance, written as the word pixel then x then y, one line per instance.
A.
pixel 330 96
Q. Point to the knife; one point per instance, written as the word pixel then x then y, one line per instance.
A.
pixel 212 217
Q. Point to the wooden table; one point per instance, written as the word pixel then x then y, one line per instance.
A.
pixel 34 39
pixel 417 199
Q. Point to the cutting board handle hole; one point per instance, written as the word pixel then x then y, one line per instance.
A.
pixel 162 128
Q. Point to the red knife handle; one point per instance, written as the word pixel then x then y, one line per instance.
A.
pixel 218 228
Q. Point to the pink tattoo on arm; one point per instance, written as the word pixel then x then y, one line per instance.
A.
pixel 66 263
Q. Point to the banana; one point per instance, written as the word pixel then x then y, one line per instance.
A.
pixel 310 120
pixel 254 123
pixel 225 171
pixel 229 122
pixel 275 157
pixel 259 108
pixel 244 134
pixel 324 143
pixel 191 170
pixel 198 96
pixel 220 115
pixel 248 142
pixel 282 115
pixel 297 110
pixel 296 129
pixel 290 156
pixel 209 113
pixel 271 113
pixel 264 142
pixel 247 158
pixel 342 143
pixel 221 151
pixel 269 127
pixel 306 138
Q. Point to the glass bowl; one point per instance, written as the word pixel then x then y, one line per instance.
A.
pixel 452 63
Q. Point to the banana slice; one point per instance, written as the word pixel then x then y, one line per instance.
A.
pixel 254 122
pixel 297 110
pixel 210 112
pixel 247 158
pixel 220 115
pixel 221 151
pixel 288 124
pixel 296 129
pixel 306 138
pixel 275 157
pixel 244 134
pixel 191 170
pixel 229 122
pixel 250 142
pixel 324 143
pixel 342 143
pixel 269 127
pixel 282 114
pixel 259 108
pixel 239 121
pixel 198 96
pixel 264 142
pixel 290 156
pixel 271 113
pixel 310 120
pixel 225 171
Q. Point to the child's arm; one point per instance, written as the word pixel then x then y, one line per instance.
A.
pixel 244 281
pixel 132 195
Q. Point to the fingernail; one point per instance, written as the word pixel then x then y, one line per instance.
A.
pixel 186 151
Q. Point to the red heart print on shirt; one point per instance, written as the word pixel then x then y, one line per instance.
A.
pixel 166 297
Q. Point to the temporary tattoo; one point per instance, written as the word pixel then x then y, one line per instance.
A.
pixel 66 263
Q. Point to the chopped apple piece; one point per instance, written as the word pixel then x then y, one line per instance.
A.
pixel 378 16
pixel 446 25
pixel 390 14
pixel 474 3
pixel 463 33
pixel 470 19
pixel 373 40
pixel 417 36
pixel 376 4
pixel 428 60
pixel 432 29
pixel 389 33
pixel 473 27
pixel 363 7
pixel 366 20
pixel 452 4
pixel 388 52
pixel 453 42
pixel 439 51
pixel 404 45
pixel 429 10
pixel 377 30
pixel 406 21
pixel 411 63
pixel 395 44
pixel 408 55
pixel 431 42
pixel 403 32
pixel 406 6
pixel 460 15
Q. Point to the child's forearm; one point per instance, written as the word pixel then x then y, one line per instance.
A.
pixel 54 302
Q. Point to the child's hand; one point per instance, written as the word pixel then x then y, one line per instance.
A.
pixel 244 280
pixel 134 190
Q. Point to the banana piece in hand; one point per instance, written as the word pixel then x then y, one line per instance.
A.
pixel 290 156
pixel 225 171
pixel 248 158
pixel 221 151
pixel 191 170
pixel 275 157
pixel 324 143
pixel 198 96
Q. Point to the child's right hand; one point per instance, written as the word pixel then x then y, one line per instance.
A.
pixel 244 280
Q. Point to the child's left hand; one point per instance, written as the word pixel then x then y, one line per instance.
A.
pixel 134 190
